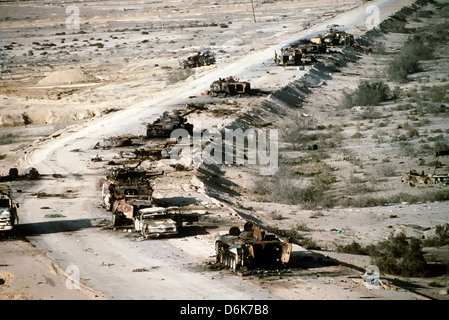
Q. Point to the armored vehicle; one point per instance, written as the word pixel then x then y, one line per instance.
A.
pixel 229 86
pixel 164 125
pixel 251 248
pixel 288 56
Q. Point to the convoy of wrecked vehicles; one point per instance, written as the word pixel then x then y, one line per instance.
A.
pixel 127 193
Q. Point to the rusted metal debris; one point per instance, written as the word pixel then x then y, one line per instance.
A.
pixel 413 178
pixel 229 86
pixel 251 248
pixel 303 51
pixel 199 59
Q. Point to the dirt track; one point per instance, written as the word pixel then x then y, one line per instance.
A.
pixel 117 264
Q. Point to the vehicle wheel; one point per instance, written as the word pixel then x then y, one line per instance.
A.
pixel 137 225
pixel 233 264
pixel 116 220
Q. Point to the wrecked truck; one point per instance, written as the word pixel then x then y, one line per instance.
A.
pixel 8 209
pixel 251 248
pixel 124 190
pixel 198 59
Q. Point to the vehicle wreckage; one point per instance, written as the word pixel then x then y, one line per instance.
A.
pixel 414 178
pixel 125 191
pixel 292 56
pixel 8 209
pixel 198 59
pixel 229 86
pixel 154 222
pixel 303 51
pixel 251 248
pixel 165 124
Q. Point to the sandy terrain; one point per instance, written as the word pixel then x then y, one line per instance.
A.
pixel 72 88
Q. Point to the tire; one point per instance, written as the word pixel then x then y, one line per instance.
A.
pixel 137 226
pixel 233 263
pixel 116 220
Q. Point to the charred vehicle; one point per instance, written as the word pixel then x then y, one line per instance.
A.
pixel 229 86
pixel 338 38
pixel 198 60
pixel 8 209
pixel 251 248
pixel 157 221
pixel 288 56
pixel 294 56
pixel 164 125
pixel 120 187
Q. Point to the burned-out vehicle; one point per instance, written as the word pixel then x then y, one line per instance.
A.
pixel 165 124
pixel 290 56
pixel 120 187
pixel 198 59
pixel 295 55
pixel 156 221
pixel 251 248
pixel 338 38
pixel 414 178
pixel 229 86
pixel 8 209
pixel 160 221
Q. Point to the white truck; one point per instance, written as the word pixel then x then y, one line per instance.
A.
pixel 8 209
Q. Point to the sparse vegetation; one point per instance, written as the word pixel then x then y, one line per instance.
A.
pixel 286 187
pixel 368 93
pixel 407 61
pixel 441 237
pixel 399 256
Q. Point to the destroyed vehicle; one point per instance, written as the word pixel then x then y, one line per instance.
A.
pixel 251 248
pixel 338 38
pixel 413 178
pixel 122 185
pixel 293 57
pixel 198 60
pixel 168 122
pixel 157 221
pixel 288 57
pixel 229 86
pixel 8 209
pixel 125 209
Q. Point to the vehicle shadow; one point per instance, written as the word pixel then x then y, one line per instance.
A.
pixel 54 226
